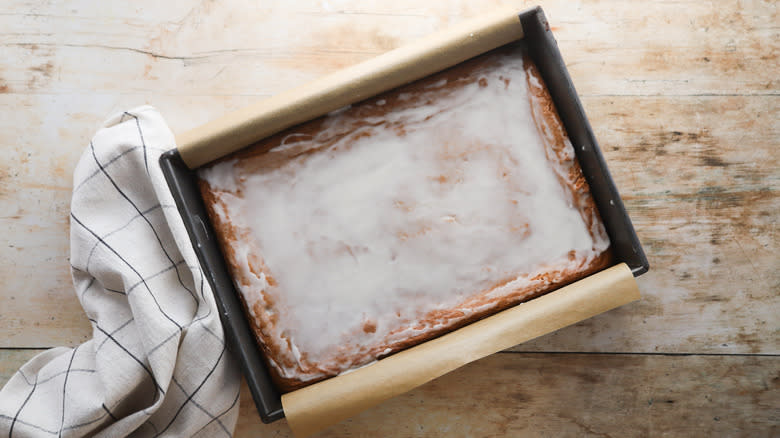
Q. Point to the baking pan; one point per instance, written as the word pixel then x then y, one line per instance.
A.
pixel 542 48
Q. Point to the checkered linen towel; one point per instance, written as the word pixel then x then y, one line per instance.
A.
pixel 156 364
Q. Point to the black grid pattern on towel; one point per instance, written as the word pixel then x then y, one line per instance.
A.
pixel 119 333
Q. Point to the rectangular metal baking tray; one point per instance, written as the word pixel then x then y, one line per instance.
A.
pixel 543 49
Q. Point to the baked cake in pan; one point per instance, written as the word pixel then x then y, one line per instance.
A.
pixel 403 217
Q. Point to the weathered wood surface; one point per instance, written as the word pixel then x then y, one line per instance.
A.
pixel 696 164
pixel 531 394
pixel 685 101
pixel 699 178
pixel 259 48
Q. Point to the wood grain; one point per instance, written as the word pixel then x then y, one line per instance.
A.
pixel 683 96
pixel 523 394
pixel 612 47
pixel 700 183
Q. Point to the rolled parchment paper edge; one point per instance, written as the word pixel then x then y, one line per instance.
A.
pixel 318 406
pixel 431 54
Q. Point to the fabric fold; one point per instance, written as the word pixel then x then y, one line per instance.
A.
pixel 157 364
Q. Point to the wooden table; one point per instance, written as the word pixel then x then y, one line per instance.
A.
pixel 684 98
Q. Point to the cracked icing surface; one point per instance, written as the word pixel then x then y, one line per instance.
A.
pixel 388 222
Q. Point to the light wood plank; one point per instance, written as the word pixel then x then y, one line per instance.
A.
pixel 611 47
pixel 698 173
pixel 575 395
pixel 527 394
pixel 699 181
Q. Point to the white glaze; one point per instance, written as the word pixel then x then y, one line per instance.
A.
pixel 387 227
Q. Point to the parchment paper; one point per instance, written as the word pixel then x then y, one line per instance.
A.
pixel 397 67
pixel 318 406
pixel 323 404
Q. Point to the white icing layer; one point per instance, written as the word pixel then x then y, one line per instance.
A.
pixel 414 211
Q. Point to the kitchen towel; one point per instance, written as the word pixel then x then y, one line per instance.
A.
pixel 157 364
